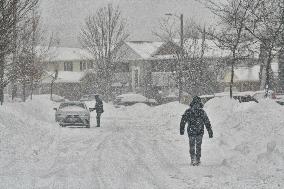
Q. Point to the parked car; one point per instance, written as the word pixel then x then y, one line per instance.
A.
pixel 205 98
pixel 169 98
pixel 73 113
pixel 261 94
pixel 130 99
pixel 57 98
pixel 247 96
pixel 280 99
pixel 281 102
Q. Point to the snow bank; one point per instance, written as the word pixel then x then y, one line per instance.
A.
pixel 248 143
pixel 27 137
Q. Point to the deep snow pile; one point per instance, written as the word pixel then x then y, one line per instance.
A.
pixel 253 131
pixel 249 137
pixel 27 135
pixel 247 150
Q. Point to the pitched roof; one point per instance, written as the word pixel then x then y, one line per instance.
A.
pixel 63 53
pixel 144 49
pixel 194 47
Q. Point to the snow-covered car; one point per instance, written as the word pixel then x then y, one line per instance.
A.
pixel 73 114
pixel 246 96
pixel 131 98
pixel 281 102
pixel 57 98
pixel 280 99
pixel 262 94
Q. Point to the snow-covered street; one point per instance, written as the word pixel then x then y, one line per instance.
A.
pixel 140 147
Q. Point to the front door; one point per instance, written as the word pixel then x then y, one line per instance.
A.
pixel 135 77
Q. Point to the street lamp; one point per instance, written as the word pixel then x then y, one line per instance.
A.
pixel 182 54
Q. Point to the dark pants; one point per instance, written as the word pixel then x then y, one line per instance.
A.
pixel 99 119
pixel 195 147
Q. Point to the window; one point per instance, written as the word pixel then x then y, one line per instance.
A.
pixel 90 65
pixel 82 66
pixel 68 66
pixel 136 78
pixel 68 104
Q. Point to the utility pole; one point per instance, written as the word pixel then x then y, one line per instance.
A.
pixel 14 57
pixel 181 60
pixel 33 53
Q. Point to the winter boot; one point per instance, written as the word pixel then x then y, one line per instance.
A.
pixel 98 121
pixel 192 161
pixel 197 162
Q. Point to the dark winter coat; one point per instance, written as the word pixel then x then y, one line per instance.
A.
pixel 196 118
pixel 99 107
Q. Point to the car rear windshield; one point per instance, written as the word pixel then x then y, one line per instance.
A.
pixel 63 105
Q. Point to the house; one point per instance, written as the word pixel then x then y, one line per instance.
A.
pixel 247 78
pixel 68 59
pixel 69 64
pixel 139 59
pixel 132 71
pixel 136 70
pixel 153 65
pixel 149 67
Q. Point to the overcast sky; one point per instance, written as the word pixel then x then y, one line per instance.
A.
pixel 66 17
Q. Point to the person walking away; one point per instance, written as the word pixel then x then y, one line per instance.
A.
pixel 195 118
pixel 99 107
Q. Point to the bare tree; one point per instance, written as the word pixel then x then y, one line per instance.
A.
pixel 53 79
pixel 103 36
pixel 200 73
pixel 36 70
pixel 267 26
pixel 231 33
pixel 198 76
pixel 12 12
pixel 167 29
pixel 27 64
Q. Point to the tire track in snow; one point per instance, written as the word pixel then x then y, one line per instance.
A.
pixel 74 154
pixel 143 163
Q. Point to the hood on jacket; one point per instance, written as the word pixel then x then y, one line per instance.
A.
pixel 196 102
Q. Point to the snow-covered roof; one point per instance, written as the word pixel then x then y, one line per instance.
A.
pixel 211 50
pixel 144 49
pixel 64 77
pixel 63 53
